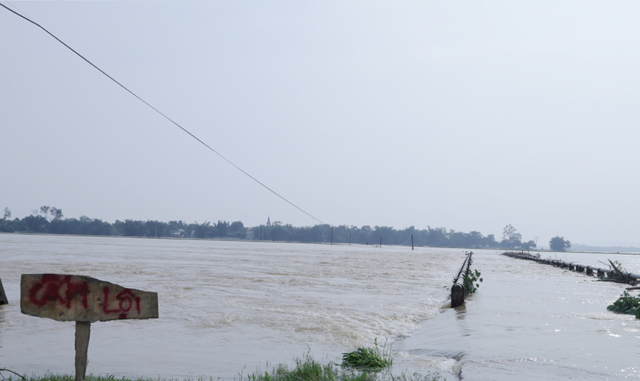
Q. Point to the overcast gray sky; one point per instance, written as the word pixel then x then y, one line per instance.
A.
pixel 456 114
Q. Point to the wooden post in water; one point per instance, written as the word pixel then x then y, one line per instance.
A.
pixel 380 241
pixel 83 329
pixel 332 235
pixel 411 241
pixel 457 295
pixel 3 296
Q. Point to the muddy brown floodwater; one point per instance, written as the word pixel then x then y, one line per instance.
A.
pixel 229 307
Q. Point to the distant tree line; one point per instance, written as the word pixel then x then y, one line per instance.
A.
pixel 437 237
pixel 51 220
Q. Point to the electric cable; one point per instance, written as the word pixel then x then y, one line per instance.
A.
pixel 405 241
pixel 159 112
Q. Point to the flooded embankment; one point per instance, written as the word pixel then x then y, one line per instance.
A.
pixel 532 322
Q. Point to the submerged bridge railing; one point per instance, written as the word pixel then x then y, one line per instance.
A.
pixel 613 273
pixel 457 290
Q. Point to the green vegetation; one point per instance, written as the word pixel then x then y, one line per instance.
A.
pixel 626 304
pixel 51 220
pixel 305 369
pixel 368 358
pixel 559 244
pixel 471 280
pixel 617 266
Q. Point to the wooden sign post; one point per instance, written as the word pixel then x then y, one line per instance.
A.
pixel 84 300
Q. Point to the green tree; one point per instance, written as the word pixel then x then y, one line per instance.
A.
pixel 237 229
pixel 559 244
pixel 131 228
pixel 45 211
pixel 490 241
pixel 221 229
pixel 36 224
pixel 56 214
pixel 5 222
pixel 51 213
pixel 204 230
pixel 510 237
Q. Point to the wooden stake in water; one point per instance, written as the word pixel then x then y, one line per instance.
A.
pixel 411 241
pixel 457 295
pixel 3 296
pixel 83 330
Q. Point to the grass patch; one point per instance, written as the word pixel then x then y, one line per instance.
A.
pixel 368 358
pixel 71 377
pixel 305 369
pixel 308 369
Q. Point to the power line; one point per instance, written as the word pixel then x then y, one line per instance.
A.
pixel 16 7
pixel 159 112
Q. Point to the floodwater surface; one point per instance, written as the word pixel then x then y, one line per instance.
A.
pixel 230 307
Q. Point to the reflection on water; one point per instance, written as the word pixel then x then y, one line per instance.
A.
pixel 227 305
pixel 461 311
pixel 1 325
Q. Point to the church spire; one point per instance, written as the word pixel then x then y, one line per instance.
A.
pixel 268 221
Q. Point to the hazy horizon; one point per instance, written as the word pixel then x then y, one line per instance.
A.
pixel 575 246
pixel 468 116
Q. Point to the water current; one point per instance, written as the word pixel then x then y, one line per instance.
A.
pixel 232 307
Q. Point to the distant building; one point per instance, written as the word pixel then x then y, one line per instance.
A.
pixel 177 233
pixel 250 234
pixel 268 221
